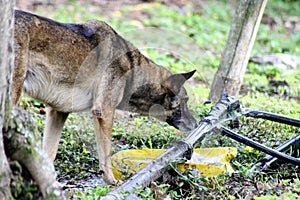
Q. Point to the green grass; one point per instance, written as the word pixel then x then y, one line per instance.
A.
pixel 183 39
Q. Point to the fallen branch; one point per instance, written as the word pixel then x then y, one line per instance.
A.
pixel 179 151
pixel 22 143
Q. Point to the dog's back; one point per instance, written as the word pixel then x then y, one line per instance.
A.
pixel 61 61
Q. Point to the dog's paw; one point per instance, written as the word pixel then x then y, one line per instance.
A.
pixel 112 181
pixel 118 182
pixel 109 179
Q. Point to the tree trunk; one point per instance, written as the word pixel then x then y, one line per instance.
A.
pixel 19 139
pixel 229 76
pixel 6 67
pixel 23 144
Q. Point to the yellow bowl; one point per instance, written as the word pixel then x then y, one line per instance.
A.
pixel 209 161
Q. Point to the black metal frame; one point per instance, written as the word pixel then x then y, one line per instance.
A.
pixel 273 155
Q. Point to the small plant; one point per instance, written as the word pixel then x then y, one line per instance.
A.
pixel 93 193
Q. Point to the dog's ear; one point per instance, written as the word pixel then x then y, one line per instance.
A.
pixel 175 81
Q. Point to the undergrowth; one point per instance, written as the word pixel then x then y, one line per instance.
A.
pixel 186 38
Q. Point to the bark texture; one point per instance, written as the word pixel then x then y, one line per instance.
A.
pixel 23 143
pixel 6 67
pixel 19 139
pixel 229 76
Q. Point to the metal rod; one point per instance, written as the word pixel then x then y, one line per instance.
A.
pixel 179 150
pixel 285 147
pixel 271 116
pixel 259 146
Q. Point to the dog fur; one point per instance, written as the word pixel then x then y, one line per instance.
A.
pixel 89 67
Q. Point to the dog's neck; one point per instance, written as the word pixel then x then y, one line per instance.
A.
pixel 143 81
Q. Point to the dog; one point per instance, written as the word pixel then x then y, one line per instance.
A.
pixel 89 67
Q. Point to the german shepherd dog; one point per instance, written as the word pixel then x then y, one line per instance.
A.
pixel 88 66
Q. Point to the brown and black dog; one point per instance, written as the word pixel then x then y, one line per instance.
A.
pixel 88 66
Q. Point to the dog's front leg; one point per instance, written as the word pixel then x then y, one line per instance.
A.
pixel 54 124
pixel 103 121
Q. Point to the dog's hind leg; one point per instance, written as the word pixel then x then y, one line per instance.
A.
pixel 54 124
pixel 20 65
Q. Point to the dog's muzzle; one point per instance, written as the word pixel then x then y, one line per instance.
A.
pixel 182 119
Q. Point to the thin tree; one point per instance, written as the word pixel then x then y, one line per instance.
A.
pixel 229 76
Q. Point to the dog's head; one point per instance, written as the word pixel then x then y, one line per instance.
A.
pixel 166 101
pixel 175 103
